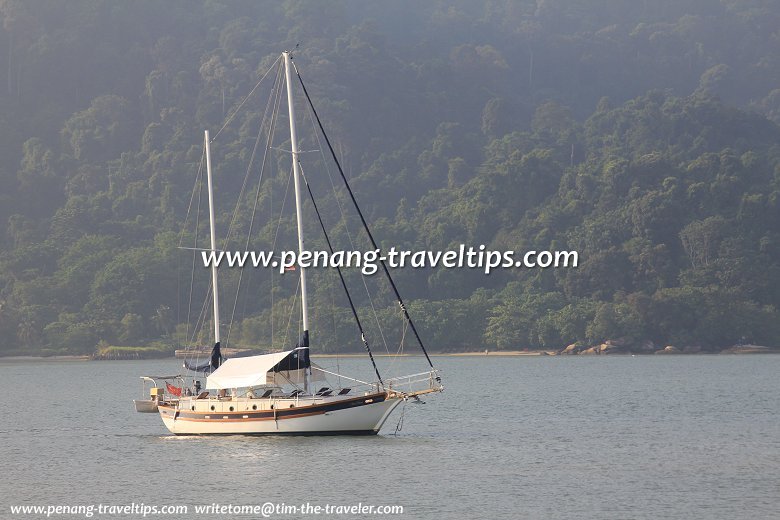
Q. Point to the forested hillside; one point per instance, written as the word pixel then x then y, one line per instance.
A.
pixel 643 134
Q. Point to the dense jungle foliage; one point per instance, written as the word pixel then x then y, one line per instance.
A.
pixel 642 134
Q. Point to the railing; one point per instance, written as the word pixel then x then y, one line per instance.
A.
pixel 422 382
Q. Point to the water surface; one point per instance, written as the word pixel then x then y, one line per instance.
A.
pixel 513 437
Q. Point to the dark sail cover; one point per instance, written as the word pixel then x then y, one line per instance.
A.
pixel 303 341
pixel 208 366
pixel 298 359
pixel 216 356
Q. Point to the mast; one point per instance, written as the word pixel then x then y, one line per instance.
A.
pixel 215 286
pixel 298 204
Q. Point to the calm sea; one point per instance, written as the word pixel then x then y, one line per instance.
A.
pixel 515 437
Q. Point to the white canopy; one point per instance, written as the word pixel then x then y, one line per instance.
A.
pixel 244 372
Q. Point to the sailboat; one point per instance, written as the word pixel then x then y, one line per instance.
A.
pixel 285 392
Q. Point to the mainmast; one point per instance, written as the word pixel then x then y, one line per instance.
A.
pixel 298 205
pixel 214 284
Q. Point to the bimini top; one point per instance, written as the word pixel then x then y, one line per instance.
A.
pixel 244 372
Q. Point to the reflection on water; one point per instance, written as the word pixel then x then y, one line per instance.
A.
pixel 619 437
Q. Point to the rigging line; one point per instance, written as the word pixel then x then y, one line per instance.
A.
pixel 273 247
pixel 194 258
pixel 199 186
pixel 178 305
pixel 201 320
pixel 341 277
pixel 235 214
pixel 202 315
pixel 292 311
pixel 376 315
pixel 257 194
pixel 175 337
pixel 333 319
pixel 404 328
pixel 203 311
pixel 233 220
pixel 286 379
pixel 271 132
pixel 198 177
pixel 181 239
pixel 198 325
pixel 362 218
pixel 238 108
pixel 271 276
pixel 269 141
pixel 349 236
pixel 280 149
pixel 400 425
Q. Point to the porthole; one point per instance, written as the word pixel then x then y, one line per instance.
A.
pixel 231 408
pixel 292 406
pixel 212 407
pixel 193 408
pixel 254 407
pixel 272 407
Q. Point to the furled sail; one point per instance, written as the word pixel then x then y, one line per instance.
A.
pixel 297 359
pixel 210 365
pixel 294 368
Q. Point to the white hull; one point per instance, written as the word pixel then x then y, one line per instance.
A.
pixel 364 416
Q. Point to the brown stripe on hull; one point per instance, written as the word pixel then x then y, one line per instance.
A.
pixel 270 415
pixel 297 434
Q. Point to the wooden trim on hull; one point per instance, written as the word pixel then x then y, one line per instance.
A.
pixel 362 415
pixel 271 415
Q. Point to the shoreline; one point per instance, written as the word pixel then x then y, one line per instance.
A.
pixel 72 357
pixel 440 354
pixel 499 353
pixel 494 353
